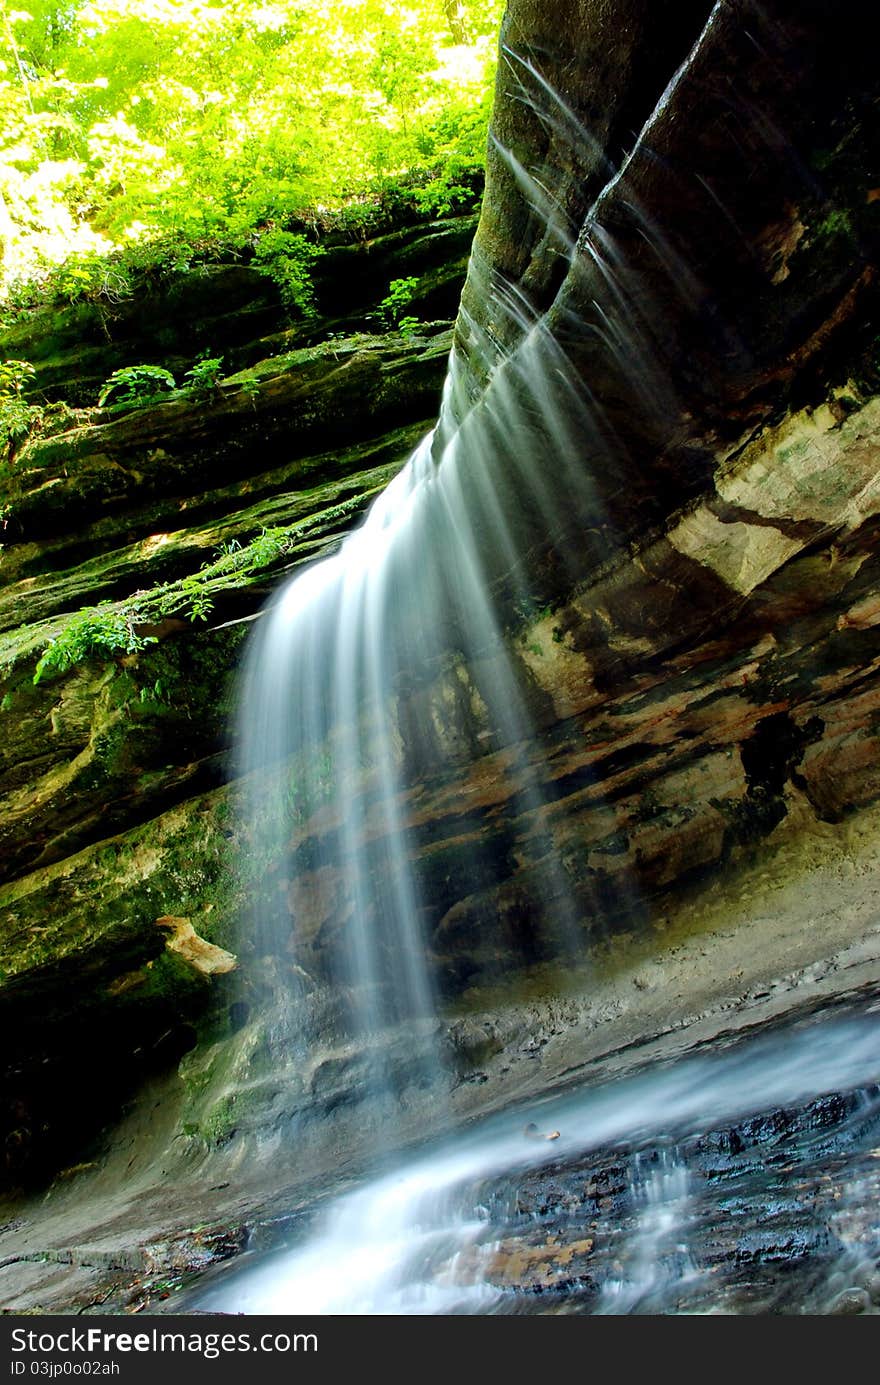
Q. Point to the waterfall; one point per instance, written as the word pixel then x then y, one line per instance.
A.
pixel 409 831
pixel 402 660
pixel 390 663
pixel 405 820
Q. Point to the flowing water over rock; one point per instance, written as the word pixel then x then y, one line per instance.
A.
pixel 391 661
pixel 727 1182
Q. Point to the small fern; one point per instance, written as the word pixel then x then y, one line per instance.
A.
pixel 102 629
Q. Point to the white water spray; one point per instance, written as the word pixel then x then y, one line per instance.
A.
pixel 421 1239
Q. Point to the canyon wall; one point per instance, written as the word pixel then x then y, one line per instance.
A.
pixel 709 678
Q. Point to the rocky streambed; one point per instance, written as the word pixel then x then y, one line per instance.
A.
pixel 741 1182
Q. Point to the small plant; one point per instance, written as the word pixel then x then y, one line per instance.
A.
pixel 203 379
pixel 287 258
pixel 400 295
pixel 17 416
pixel 193 600
pixel 159 692
pixel 111 628
pixel 14 375
pixel 250 388
pixel 134 385
pixel 443 195
pixel 836 223
pixel 92 277
pixel 17 419
pixel 102 629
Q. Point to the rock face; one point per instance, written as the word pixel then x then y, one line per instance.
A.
pixel 710 675
pixel 714 660
pixel 174 519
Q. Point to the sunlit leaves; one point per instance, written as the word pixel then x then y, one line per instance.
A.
pixel 123 119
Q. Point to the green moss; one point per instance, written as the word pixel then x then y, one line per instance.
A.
pixel 230 1080
pixel 836 223
pixel 105 899
pixel 168 979
pixel 123 689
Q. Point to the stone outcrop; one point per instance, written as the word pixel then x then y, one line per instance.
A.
pixel 114 810
pixel 707 688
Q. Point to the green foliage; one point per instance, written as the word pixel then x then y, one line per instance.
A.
pixel 204 377
pixel 399 296
pixel 93 276
pixel 103 629
pixel 134 385
pixel 17 416
pixel 287 259
pixel 131 123
pixel 251 388
pixel 191 596
pixel 14 376
pixel 113 627
pixel 191 599
pixel 159 693
pixel 110 276
pixel 836 223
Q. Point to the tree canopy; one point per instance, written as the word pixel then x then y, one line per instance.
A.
pixel 129 122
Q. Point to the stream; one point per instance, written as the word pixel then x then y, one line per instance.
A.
pixel 745 1179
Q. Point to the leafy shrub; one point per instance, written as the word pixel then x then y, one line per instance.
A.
pixel 400 295
pixel 93 277
pixel 17 419
pixel 287 258
pixel 14 375
pixel 106 279
pixel 102 629
pixel 458 184
pixel 17 416
pixel 204 377
pixel 133 385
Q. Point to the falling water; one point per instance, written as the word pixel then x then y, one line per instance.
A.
pixel 656 1262
pixel 340 692
pixel 382 667
pixel 395 659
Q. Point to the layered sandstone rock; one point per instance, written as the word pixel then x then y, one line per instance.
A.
pixel 711 675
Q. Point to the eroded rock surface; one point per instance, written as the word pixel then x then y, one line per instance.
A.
pixel 704 697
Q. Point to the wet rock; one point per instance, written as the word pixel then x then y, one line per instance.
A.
pixel 707 679
pixel 849 1302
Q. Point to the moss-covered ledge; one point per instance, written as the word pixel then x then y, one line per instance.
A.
pixel 229 308
pixel 288 407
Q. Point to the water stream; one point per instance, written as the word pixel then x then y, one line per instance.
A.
pixel 392 661
pixel 680 1189
pixel 399 659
